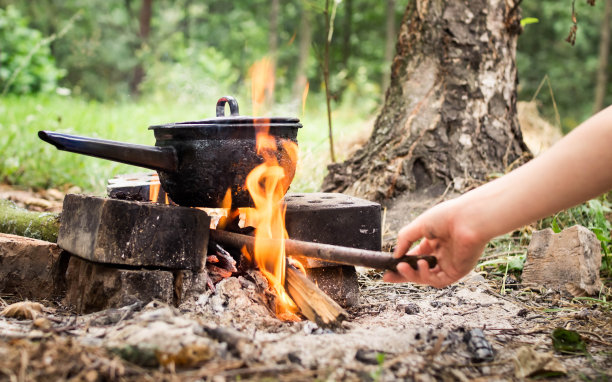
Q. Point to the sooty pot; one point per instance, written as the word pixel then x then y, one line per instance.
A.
pixel 198 161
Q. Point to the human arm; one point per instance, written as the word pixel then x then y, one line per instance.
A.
pixel 577 168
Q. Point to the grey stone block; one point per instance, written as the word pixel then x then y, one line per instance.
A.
pixel 332 218
pixel 92 287
pixel 337 219
pixel 134 233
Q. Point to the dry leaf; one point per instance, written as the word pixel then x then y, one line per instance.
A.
pixel 41 323
pixel 529 362
pixel 25 310
pixel 188 356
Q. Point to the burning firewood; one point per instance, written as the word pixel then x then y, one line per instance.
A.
pixel 226 261
pixel 219 263
pixel 313 303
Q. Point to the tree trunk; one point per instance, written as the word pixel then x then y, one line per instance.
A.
pixel 604 54
pixel 389 40
pixel 347 31
pixel 449 117
pixel 273 45
pixel 305 40
pixel 186 22
pixel 146 12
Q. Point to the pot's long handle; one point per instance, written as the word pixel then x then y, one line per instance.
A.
pixel 155 158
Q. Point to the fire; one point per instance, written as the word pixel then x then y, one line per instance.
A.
pixel 154 190
pixel 304 95
pixel 267 185
pixel 154 187
pixel 262 83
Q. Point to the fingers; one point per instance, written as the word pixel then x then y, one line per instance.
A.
pixel 434 277
pixel 406 236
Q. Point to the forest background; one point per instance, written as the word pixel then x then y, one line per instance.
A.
pixel 111 68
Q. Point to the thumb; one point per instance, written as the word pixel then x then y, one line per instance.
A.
pixel 406 236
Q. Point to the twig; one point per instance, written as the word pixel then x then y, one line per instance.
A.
pixel 502 254
pixel 258 370
pixel 552 96
pixel 599 339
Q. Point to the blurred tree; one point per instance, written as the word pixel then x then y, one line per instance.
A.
pixel 273 44
pixel 542 50
pixel 390 39
pixel 144 22
pixel 26 63
pixel 449 117
pixel 304 41
pixel 346 33
pixel 216 42
pixel 604 53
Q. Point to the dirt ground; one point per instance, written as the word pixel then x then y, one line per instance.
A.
pixel 474 330
pixel 397 332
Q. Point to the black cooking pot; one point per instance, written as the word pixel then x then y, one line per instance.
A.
pixel 197 161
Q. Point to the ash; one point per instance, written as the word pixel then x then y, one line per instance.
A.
pixel 397 332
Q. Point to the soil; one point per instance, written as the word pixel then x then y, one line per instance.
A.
pixel 476 329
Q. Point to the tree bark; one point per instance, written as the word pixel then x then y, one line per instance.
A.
pixel 449 117
pixel 146 12
pixel 604 55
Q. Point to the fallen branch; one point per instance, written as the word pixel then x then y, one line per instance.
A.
pixel 37 225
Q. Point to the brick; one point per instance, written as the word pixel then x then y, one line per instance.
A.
pixel 136 187
pixel 338 282
pixel 188 286
pixel 92 287
pixel 134 233
pixel 337 219
pixel 569 260
pixel 332 218
pixel 31 268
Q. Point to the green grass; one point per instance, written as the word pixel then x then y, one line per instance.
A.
pixel 29 162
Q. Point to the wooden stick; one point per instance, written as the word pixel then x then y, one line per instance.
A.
pixel 327 252
pixel 312 301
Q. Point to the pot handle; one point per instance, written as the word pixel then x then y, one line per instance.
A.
pixel 233 105
pixel 153 157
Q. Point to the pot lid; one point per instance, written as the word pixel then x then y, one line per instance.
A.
pixel 234 119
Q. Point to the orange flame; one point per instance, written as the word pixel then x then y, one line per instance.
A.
pixel 262 83
pixel 304 95
pixel 154 188
pixel 267 185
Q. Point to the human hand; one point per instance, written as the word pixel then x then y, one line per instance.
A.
pixel 448 235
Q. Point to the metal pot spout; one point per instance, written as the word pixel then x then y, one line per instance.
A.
pixel 155 158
